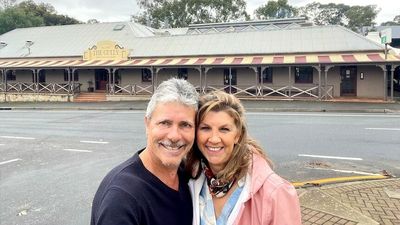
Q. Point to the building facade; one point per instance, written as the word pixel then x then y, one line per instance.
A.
pixel 274 59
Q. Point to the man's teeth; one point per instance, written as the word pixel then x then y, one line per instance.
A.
pixel 172 147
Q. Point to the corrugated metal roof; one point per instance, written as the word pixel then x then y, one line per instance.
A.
pixel 73 40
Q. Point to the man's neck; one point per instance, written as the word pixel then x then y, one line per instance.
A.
pixel 169 176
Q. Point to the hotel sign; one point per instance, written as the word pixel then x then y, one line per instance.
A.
pixel 106 50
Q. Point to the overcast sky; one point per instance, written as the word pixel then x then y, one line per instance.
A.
pixel 120 10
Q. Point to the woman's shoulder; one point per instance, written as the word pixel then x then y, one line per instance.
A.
pixel 263 172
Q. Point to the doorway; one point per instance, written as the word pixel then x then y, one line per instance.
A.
pixel 101 79
pixel 348 84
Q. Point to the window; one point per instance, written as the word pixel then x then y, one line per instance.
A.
pixel 76 75
pixel 266 75
pixel 146 75
pixel 11 75
pixel 183 73
pixel 303 75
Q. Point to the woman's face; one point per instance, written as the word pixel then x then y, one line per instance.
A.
pixel 216 135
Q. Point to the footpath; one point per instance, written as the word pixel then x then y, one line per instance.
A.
pixel 367 106
pixel 367 201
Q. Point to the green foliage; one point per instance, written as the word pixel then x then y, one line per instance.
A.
pixel 353 17
pixel 325 14
pixel 275 9
pixel 395 22
pixel 4 4
pixel 181 13
pixel 360 16
pixel 30 14
pixel 13 17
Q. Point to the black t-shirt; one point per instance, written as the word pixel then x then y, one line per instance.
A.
pixel 131 195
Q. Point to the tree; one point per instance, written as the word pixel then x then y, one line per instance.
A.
pixel 396 21
pixel 92 21
pixel 275 9
pixel 360 16
pixel 47 12
pixel 4 4
pixel 325 14
pixel 181 13
pixel 353 17
pixel 30 14
pixel 13 17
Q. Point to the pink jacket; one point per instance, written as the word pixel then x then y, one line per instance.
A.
pixel 266 199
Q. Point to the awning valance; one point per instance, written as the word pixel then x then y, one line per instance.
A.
pixel 206 61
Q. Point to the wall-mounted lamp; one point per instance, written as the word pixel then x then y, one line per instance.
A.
pixel 362 76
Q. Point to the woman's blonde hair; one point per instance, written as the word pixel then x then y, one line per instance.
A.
pixel 240 159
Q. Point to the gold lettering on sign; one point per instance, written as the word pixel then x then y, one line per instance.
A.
pixel 106 50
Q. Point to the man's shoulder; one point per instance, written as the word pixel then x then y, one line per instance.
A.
pixel 123 175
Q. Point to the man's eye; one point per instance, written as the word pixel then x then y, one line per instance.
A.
pixel 164 123
pixel 204 128
pixel 187 125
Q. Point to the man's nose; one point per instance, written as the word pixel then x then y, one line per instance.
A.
pixel 174 134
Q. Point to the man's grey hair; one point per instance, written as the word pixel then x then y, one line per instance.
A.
pixel 173 90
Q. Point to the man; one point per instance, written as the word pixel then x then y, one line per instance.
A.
pixel 150 188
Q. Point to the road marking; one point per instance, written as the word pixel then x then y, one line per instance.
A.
pixel 10 161
pixel 14 137
pixel 329 157
pixel 381 128
pixel 76 150
pixel 2 144
pixel 349 171
pixel 324 114
pixel 95 142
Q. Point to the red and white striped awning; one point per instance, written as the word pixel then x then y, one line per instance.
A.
pixel 206 61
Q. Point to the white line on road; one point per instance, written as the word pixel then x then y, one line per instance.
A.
pixel 10 161
pixel 381 128
pixel 329 157
pixel 349 171
pixel 2 144
pixel 76 150
pixel 324 114
pixel 14 137
pixel 95 142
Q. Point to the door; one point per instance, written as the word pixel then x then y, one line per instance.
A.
pixel 230 80
pixel 101 79
pixel 348 84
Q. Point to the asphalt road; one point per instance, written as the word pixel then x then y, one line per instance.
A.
pixel 51 162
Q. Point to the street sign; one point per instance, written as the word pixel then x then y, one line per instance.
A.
pixel 386 36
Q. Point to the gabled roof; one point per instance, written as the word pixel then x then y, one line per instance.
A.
pixel 142 41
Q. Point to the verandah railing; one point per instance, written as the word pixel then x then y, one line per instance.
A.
pixel 21 87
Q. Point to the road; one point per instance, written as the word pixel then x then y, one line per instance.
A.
pixel 51 162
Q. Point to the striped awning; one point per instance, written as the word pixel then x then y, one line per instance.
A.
pixel 206 61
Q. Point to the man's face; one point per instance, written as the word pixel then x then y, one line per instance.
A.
pixel 170 133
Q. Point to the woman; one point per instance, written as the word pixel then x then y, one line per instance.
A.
pixel 233 181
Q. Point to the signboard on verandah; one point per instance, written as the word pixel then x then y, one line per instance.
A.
pixel 386 36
